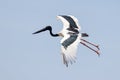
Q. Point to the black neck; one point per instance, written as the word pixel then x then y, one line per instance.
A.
pixel 47 28
pixel 54 35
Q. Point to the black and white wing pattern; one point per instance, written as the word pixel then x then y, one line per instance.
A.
pixel 71 38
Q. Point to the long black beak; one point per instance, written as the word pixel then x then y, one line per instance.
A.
pixel 44 29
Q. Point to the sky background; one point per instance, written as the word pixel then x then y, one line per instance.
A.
pixel 24 56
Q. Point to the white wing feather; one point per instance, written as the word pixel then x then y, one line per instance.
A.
pixel 69 54
pixel 64 21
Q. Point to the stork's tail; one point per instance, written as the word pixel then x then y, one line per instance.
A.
pixel 85 35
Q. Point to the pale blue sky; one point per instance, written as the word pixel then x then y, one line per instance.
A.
pixel 24 56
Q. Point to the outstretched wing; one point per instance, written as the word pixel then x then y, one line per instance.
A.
pixel 69 48
pixel 71 37
pixel 70 24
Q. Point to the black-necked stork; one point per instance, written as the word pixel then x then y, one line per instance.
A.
pixel 71 38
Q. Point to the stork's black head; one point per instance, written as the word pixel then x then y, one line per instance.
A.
pixel 48 28
pixel 44 29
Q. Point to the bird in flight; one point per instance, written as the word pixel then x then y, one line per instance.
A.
pixel 71 37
